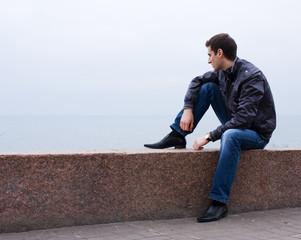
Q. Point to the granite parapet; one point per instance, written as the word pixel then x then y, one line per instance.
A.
pixel 49 190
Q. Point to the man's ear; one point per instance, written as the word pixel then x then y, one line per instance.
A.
pixel 220 52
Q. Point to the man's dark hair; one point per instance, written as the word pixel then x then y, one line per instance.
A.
pixel 225 42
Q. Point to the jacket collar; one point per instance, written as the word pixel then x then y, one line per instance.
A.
pixel 233 71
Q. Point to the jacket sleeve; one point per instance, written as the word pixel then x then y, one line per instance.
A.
pixel 194 88
pixel 251 94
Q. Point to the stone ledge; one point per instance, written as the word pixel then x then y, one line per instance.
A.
pixel 48 190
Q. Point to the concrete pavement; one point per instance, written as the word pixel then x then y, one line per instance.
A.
pixel 279 224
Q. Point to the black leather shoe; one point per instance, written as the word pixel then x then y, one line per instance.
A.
pixel 173 139
pixel 213 213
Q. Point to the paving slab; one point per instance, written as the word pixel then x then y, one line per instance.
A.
pixel 278 224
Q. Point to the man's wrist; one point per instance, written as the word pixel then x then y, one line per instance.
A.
pixel 207 137
pixel 188 110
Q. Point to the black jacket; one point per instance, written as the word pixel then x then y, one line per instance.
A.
pixel 247 95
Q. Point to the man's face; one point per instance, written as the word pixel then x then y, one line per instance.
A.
pixel 214 59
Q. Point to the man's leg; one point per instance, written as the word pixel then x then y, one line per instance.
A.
pixel 209 94
pixel 232 142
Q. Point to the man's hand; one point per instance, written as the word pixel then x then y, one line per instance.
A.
pixel 199 143
pixel 186 122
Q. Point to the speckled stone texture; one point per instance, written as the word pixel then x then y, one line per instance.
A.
pixel 50 190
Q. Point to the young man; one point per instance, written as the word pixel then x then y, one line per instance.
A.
pixel 242 100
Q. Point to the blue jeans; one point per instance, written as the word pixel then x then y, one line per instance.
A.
pixel 232 140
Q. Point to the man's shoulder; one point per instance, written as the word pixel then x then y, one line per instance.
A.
pixel 247 69
pixel 207 76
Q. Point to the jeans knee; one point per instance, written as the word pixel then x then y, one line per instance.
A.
pixel 210 85
pixel 209 89
pixel 230 143
pixel 229 135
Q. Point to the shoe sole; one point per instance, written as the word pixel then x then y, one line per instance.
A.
pixel 180 147
pixel 214 219
pixel 176 147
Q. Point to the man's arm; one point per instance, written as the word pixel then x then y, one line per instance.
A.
pixel 194 88
pixel 187 119
pixel 251 95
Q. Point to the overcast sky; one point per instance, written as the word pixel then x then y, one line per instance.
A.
pixel 136 56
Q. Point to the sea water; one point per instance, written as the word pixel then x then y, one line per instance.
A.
pixel 93 133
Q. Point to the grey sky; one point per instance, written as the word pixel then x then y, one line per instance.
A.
pixel 136 56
